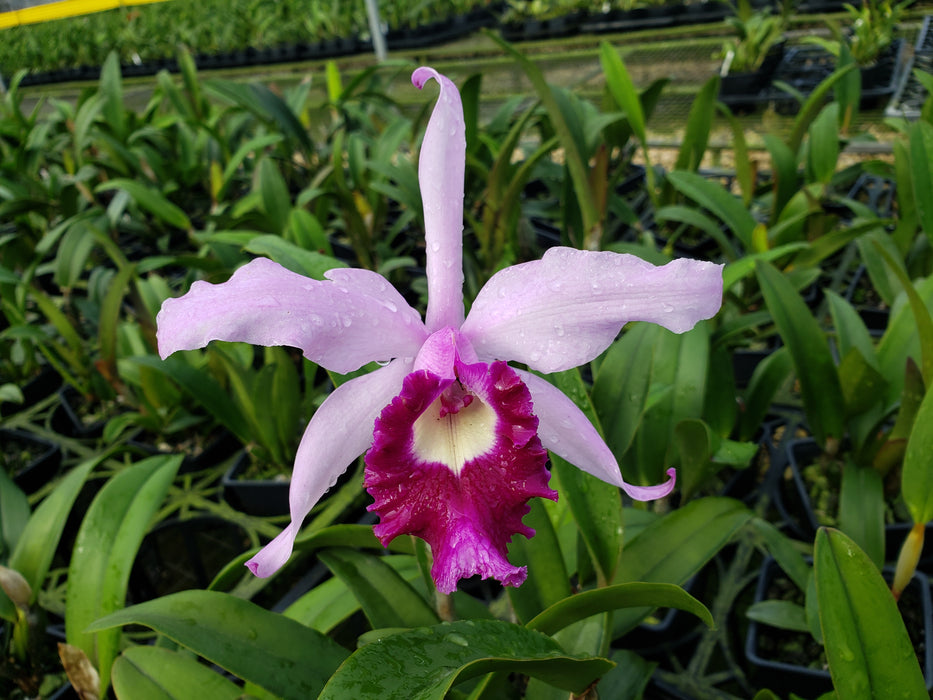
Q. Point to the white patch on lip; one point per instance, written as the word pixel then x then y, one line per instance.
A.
pixel 456 438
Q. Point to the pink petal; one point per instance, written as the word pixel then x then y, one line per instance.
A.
pixel 565 309
pixel 441 349
pixel 461 480
pixel 339 432
pixel 566 431
pixel 440 174
pixel 352 318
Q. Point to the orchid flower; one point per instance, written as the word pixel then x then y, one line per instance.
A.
pixel 455 439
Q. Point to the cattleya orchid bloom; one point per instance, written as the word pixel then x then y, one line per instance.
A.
pixel 455 439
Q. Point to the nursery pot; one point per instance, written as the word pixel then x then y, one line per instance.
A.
pixel 262 497
pixel 181 554
pixel 744 90
pixel 795 504
pixel 214 450
pixel 32 461
pixel 798 668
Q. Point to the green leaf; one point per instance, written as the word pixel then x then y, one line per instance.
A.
pixel 425 663
pixel 824 144
pixel 784 552
pixel 850 329
pixel 813 362
pixel 921 165
pixel 744 171
pixel 305 262
pixel 815 100
pixel 111 88
pixel 621 387
pixel 232 168
pixel 784 169
pixel 14 513
pixel 579 173
pixel 203 388
pixel 699 220
pixel 149 199
pixel 155 673
pixel 779 613
pixel 105 549
pixel 679 376
pixel 922 318
pixel 744 266
pixel 547 581
pixel 276 201
pixel 769 376
pixel 699 124
pixel 908 220
pixel 278 654
pixel 694 441
pixel 869 652
pixel 331 602
pixel 35 549
pixel 712 196
pixel 630 677
pixel 596 505
pixel 676 546
pixel 385 597
pixel 265 104
pixel 110 310
pixel 917 477
pixel 623 89
pixel 623 595
pixel 861 509
pixel 863 386
pixel 883 281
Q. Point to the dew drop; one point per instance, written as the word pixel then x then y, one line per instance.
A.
pixel 457 639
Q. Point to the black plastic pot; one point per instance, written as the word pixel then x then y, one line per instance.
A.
pixel 910 94
pixel 875 316
pixel 784 678
pixel 178 555
pixel 805 67
pixel 638 18
pixel 41 466
pixel 66 418
pixel 781 676
pixel 219 448
pixel 747 89
pixel 538 29
pixel 39 387
pixel 793 501
pixel 667 629
pixel 266 497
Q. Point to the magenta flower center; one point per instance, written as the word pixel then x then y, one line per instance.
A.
pixel 455 462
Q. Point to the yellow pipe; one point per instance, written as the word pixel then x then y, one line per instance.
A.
pixel 62 8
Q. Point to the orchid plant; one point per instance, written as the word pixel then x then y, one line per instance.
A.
pixel 455 439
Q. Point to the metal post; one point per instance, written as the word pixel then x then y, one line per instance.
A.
pixel 375 28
